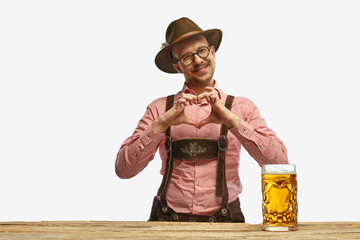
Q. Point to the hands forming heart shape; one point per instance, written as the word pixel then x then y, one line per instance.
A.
pixel 211 97
pixel 175 116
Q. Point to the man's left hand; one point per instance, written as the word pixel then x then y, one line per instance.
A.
pixel 219 113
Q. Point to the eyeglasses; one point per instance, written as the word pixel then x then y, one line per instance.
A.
pixel 203 52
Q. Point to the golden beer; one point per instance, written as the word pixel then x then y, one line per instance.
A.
pixel 279 204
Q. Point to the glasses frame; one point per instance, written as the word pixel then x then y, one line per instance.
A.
pixel 193 54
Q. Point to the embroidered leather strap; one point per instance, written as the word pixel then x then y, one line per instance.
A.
pixel 194 149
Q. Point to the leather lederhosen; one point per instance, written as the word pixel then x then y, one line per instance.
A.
pixel 197 149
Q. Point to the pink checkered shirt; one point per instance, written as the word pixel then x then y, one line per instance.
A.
pixel 192 186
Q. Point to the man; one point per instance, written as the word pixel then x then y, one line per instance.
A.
pixel 199 133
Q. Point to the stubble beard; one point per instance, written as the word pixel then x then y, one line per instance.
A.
pixel 201 80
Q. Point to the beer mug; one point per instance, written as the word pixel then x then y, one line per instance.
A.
pixel 279 191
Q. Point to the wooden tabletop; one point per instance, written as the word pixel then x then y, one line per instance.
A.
pixel 169 230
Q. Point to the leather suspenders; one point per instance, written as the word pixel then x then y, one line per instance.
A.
pixel 195 149
pixel 169 165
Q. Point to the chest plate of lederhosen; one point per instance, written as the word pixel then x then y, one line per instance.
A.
pixel 194 149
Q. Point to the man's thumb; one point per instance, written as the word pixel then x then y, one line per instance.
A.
pixel 204 122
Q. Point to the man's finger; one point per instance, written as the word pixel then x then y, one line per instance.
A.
pixel 190 98
pixel 191 122
pixel 202 95
pixel 181 102
pixel 211 97
pixel 204 122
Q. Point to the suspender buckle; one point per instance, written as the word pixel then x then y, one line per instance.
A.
pixel 224 212
pixel 164 209
pixel 222 143
pixel 168 144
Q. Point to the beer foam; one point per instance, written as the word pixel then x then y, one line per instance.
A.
pixel 279 169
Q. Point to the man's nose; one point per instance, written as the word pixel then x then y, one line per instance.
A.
pixel 197 59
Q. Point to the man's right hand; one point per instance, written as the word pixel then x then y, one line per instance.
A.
pixel 176 115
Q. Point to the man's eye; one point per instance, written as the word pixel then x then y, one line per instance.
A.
pixel 186 58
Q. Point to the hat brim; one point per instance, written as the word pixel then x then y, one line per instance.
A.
pixel 164 61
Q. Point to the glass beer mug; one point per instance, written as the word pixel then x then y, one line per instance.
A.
pixel 279 191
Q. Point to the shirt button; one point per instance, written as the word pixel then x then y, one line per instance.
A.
pixel 149 137
pixel 197 203
pixel 198 183
pixel 244 130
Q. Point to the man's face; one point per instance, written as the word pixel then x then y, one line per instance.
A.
pixel 200 72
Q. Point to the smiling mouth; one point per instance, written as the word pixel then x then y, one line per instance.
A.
pixel 201 68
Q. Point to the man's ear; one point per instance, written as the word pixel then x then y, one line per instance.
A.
pixel 177 67
pixel 212 50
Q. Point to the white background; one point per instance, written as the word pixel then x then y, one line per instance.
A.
pixel 76 76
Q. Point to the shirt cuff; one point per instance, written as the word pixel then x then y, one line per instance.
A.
pixel 244 130
pixel 149 136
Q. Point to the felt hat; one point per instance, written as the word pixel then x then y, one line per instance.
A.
pixel 177 31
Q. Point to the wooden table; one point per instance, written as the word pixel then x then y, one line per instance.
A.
pixel 168 230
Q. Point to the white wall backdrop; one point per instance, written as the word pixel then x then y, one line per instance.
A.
pixel 76 76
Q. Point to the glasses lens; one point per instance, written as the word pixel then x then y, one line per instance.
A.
pixel 203 52
pixel 187 59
